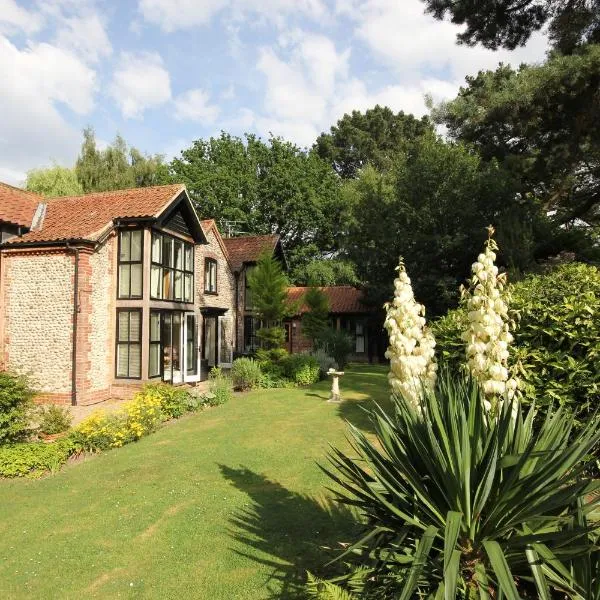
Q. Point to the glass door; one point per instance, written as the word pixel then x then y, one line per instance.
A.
pixel 191 348
pixel 172 347
pixel 210 341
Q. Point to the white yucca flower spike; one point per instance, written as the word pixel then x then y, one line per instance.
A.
pixel 411 349
pixel 488 335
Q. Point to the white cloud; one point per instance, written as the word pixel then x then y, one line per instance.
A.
pixel 140 81
pixel 14 17
pixel 411 41
pixel 194 105
pixel 40 78
pixel 172 15
pixel 85 35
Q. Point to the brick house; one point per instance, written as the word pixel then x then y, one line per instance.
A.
pixel 347 312
pixel 103 292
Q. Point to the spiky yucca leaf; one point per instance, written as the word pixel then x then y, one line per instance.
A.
pixel 495 498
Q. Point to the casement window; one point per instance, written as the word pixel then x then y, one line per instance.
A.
pixel 129 343
pixel 172 270
pixel 154 357
pixel 251 327
pixel 130 263
pixel 210 276
pixel 360 338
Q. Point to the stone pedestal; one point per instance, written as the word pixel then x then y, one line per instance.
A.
pixel 335 385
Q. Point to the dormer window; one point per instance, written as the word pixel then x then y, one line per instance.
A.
pixel 130 263
pixel 172 271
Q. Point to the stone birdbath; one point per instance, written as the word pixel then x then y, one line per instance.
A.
pixel 335 385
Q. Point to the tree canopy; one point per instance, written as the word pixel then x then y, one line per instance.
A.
pixel 265 187
pixel 116 167
pixel 53 182
pixel 372 137
pixel 510 23
pixel 541 122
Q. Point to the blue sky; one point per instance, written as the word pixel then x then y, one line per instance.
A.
pixel 165 72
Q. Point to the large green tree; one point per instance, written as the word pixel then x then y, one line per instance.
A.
pixel 259 187
pixel 372 137
pixel 431 208
pixel 541 123
pixel 53 181
pixel 117 166
pixel 510 23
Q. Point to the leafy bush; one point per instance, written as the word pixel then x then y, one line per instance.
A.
pixel 271 363
pixel 557 338
pixel 173 401
pixel 245 373
pixel 15 406
pixel 302 369
pixel 53 419
pixel 338 344
pixel 33 460
pixel 220 386
pixel 325 361
pixel 458 504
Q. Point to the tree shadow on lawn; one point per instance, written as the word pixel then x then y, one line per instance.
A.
pixel 287 532
pixel 357 412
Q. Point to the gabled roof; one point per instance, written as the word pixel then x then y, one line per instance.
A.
pixel 17 206
pixel 88 217
pixel 247 249
pixel 343 299
pixel 211 225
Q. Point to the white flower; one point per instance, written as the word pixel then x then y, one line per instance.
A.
pixel 412 346
pixel 488 336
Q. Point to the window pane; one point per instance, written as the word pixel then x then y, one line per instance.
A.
pixel 178 285
pixel 178 255
pixel 360 344
pixel 156 247
pixel 154 326
pixel 136 279
pixel 154 360
pixel 135 326
pixel 187 291
pixel 122 360
pixel 124 252
pixel 167 286
pixel 189 258
pixel 136 245
pixel 123 326
pixel 124 272
pixel 213 276
pixel 167 257
pixel 135 360
pixel 155 279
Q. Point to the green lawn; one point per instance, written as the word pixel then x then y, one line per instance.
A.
pixel 224 504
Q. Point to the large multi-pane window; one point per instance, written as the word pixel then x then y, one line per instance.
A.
pixel 129 343
pixel 154 357
pixel 210 276
pixel 130 263
pixel 172 271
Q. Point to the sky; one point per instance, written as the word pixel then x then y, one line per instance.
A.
pixel 163 73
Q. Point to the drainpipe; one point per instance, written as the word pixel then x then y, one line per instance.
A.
pixel 236 275
pixel 75 319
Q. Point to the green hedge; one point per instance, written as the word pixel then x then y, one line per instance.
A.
pixel 557 336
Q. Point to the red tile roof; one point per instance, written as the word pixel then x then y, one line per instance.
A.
pixel 248 248
pixel 342 298
pixel 17 206
pixel 87 217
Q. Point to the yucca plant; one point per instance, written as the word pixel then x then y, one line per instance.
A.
pixel 458 504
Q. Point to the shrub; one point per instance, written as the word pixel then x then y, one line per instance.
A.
pixel 15 406
pixel 53 419
pixel 458 504
pixel 271 362
pixel 220 387
pixel 302 369
pixel 325 361
pixel 245 373
pixel 173 401
pixel 338 344
pixel 556 341
pixel 33 460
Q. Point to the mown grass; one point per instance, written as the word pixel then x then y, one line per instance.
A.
pixel 228 503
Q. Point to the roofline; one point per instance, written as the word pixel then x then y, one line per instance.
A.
pixel 219 237
pixel 169 206
pixel 45 243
